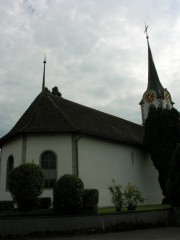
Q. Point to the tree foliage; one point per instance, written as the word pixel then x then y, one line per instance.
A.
pixel 90 200
pixel 173 182
pixel 162 132
pixel 68 194
pixel 55 91
pixel 26 183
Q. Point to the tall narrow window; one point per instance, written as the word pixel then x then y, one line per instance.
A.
pixel 10 166
pixel 48 163
pixel 132 158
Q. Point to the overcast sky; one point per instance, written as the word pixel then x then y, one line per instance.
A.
pixel 96 53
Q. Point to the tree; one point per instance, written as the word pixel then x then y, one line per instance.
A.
pixel 56 92
pixel 162 132
pixel 26 183
pixel 173 182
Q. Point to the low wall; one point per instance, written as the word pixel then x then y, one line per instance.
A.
pixel 27 225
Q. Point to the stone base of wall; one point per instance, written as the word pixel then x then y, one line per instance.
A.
pixel 27 225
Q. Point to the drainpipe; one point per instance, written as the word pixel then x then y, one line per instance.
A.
pixel 76 152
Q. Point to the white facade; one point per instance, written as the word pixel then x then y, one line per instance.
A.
pixel 13 148
pixel 98 162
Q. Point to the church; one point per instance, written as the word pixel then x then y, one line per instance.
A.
pixel 66 137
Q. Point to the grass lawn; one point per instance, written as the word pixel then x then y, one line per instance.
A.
pixel 106 210
pixel 101 210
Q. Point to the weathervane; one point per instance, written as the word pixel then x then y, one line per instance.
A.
pixel 145 31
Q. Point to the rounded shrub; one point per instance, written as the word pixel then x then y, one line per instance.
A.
pixel 26 183
pixel 90 200
pixel 68 194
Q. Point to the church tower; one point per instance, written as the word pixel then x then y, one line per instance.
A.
pixel 155 95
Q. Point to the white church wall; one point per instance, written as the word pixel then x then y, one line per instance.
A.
pixel 151 185
pixel 101 161
pixel 12 148
pixel 61 145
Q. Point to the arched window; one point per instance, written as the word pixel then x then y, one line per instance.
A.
pixel 10 167
pixel 48 163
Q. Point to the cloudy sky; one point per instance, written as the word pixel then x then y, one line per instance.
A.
pixel 96 53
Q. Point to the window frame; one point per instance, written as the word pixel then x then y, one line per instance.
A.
pixel 9 168
pixel 46 169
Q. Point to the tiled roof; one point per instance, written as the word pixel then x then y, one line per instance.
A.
pixel 52 114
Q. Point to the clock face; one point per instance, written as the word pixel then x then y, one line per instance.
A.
pixel 150 97
pixel 167 96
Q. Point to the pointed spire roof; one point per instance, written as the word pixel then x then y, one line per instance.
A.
pixel 153 79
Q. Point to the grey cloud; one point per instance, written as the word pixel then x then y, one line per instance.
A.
pixel 96 52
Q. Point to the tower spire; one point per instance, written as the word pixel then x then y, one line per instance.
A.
pixel 153 78
pixel 155 95
pixel 43 83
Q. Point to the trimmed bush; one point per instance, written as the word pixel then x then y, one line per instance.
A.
pixel 90 200
pixel 45 202
pixel 26 183
pixel 6 205
pixel 68 194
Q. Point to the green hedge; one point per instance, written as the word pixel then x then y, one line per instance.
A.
pixel 6 205
pixel 45 202
pixel 90 200
pixel 68 194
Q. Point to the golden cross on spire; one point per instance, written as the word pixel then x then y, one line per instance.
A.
pixel 145 31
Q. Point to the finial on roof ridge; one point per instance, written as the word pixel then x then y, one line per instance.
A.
pixel 43 83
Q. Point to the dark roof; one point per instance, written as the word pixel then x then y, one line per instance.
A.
pixel 52 114
pixel 153 79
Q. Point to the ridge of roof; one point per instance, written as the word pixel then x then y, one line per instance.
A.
pixel 96 122
pixel 93 109
pixel 59 110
